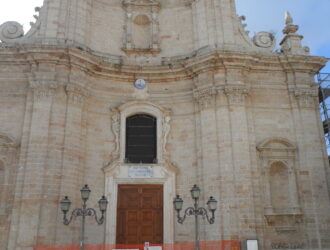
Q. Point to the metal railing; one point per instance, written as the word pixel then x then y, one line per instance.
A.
pixel 323 80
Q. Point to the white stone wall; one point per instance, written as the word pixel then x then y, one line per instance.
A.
pixel 235 109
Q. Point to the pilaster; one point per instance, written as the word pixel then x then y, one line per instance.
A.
pixel 228 210
pixel 307 118
pixel 209 172
pixel 35 168
pixel 73 153
pixel 66 19
pixel 242 169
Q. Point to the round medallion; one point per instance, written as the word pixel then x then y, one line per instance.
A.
pixel 140 83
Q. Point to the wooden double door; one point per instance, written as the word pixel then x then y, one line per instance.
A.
pixel 140 214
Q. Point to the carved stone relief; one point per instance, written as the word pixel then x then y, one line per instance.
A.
pixel 76 94
pixel 277 157
pixel 141 31
pixel 205 96
pixel 13 31
pixel 306 96
pixel 236 94
pixel 264 40
pixel 118 127
pixel 115 126
pixel 166 131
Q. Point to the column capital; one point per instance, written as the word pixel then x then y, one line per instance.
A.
pixel 306 96
pixel 205 96
pixel 236 94
pixel 43 89
pixel 76 93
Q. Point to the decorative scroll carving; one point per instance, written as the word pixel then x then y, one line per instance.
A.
pixel 13 31
pixel 115 126
pixel 243 25
pixel 166 131
pixel 118 126
pixel 264 40
pixel 236 94
pixel 306 97
pixel 205 96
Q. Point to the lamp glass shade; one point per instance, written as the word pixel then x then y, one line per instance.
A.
pixel 85 192
pixel 178 203
pixel 212 204
pixel 195 192
pixel 65 204
pixel 103 203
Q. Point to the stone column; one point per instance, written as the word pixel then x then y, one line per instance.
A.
pixel 73 159
pixel 209 172
pixel 36 165
pixel 241 160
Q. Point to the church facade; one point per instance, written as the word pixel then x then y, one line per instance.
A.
pixel 142 99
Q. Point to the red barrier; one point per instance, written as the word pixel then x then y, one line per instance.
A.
pixel 206 245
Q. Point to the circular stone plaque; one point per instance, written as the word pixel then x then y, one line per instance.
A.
pixel 140 83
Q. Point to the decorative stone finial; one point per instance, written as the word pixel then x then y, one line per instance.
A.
pixel 291 43
pixel 290 28
pixel 288 18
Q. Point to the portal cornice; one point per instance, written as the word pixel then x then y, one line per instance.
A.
pixel 171 69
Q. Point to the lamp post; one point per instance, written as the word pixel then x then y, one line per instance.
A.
pixel 83 212
pixel 195 211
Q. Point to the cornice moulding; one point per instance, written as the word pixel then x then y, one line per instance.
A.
pixel 188 68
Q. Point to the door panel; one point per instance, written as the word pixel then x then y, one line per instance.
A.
pixel 140 214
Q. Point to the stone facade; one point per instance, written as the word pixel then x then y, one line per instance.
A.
pixel 233 116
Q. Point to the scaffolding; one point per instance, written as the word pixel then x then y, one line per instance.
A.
pixel 324 92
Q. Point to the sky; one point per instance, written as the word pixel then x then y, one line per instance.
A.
pixel 312 16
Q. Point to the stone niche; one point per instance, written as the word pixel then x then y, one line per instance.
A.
pixel 141 30
pixel 281 199
pixel 282 211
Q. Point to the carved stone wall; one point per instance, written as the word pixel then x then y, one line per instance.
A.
pixel 141 33
pixel 278 160
pixel 233 117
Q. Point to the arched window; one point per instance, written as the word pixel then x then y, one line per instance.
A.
pixel 141 139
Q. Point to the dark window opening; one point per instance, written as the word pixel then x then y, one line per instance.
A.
pixel 141 141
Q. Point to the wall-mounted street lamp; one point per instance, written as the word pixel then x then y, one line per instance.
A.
pixel 83 212
pixel 195 211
